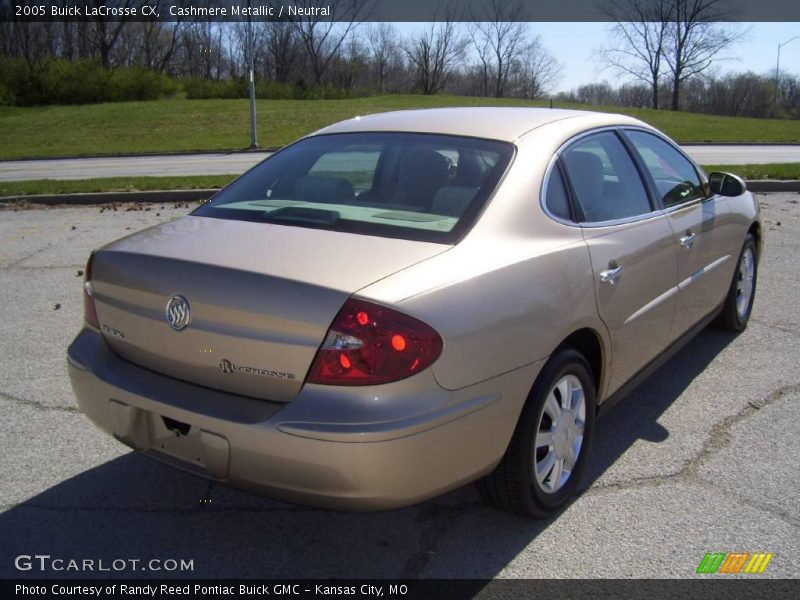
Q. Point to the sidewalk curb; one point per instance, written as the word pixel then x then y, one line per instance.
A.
pixel 111 197
pixel 242 151
pixel 758 186
pixel 773 185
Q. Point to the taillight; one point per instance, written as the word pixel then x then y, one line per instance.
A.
pixel 369 344
pixel 89 310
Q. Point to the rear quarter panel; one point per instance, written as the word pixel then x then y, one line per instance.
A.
pixel 510 292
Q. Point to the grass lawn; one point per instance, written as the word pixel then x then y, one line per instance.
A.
pixel 189 125
pixel 124 184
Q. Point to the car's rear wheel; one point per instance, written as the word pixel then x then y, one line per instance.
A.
pixel 739 301
pixel 542 466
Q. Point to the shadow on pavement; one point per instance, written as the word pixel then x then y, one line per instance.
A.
pixel 132 507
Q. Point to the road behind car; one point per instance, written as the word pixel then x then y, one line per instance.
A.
pixel 702 457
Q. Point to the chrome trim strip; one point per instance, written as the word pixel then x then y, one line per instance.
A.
pixel 652 304
pixel 698 274
pixel 635 219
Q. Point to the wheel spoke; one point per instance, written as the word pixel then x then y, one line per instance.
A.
pixel 544 466
pixel 544 439
pixel 564 388
pixel 555 475
pixel 569 459
pixel 552 407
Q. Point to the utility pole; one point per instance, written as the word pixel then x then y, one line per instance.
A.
pixel 253 136
pixel 778 75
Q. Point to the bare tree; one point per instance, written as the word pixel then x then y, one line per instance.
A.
pixel 107 32
pixel 640 31
pixel 150 44
pixel 435 52
pixel 323 38
pixel 535 70
pixel 282 49
pixel 678 39
pixel 499 41
pixel 697 37
pixel 383 45
pixel 350 69
pixel 597 94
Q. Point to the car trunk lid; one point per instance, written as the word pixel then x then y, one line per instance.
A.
pixel 260 296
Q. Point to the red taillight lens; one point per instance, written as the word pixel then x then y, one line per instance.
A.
pixel 369 344
pixel 89 310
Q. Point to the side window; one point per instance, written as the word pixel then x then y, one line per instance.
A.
pixel 556 198
pixel 606 183
pixel 674 175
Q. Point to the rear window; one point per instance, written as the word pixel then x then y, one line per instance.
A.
pixel 413 186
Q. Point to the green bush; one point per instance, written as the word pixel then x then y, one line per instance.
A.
pixel 61 81
pixel 197 88
pixel 78 82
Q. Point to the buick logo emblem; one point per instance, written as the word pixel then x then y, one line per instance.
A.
pixel 226 366
pixel 178 313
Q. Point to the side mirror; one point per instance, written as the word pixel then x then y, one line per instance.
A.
pixel 726 184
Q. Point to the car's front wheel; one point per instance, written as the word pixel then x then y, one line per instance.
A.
pixel 739 301
pixel 542 466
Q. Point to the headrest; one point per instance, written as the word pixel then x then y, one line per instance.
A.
pixel 586 174
pixel 333 190
pixel 452 200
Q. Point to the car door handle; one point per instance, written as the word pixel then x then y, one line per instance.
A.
pixel 611 275
pixel 688 239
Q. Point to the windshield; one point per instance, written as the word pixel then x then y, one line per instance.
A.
pixel 406 185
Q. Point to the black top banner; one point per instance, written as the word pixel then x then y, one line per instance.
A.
pixel 376 10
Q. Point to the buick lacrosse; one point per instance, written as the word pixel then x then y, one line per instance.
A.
pixel 400 304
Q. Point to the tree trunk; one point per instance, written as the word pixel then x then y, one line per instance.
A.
pixel 676 90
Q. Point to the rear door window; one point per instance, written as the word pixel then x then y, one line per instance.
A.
pixel 606 183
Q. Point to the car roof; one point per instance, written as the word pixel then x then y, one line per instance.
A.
pixel 490 122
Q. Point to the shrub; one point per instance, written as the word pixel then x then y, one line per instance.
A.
pixel 197 88
pixel 79 82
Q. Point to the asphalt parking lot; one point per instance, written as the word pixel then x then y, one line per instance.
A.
pixel 702 457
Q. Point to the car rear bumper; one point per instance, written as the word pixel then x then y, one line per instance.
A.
pixel 322 448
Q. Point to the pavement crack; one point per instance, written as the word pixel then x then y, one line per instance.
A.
pixel 38 405
pixel 769 325
pixel 66 241
pixel 442 517
pixel 650 481
pixel 772 510
pixel 720 436
pixel 718 440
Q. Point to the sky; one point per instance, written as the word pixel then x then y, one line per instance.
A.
pixel 574 45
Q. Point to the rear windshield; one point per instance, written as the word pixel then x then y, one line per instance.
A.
pixel 413 186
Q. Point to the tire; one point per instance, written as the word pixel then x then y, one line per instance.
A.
pixel 739 301
pixel 512 486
